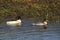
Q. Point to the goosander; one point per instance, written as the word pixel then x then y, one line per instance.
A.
pixel 14 23
pixel 41 23
pixel 44 23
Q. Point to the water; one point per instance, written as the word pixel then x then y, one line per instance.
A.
pixel 29 32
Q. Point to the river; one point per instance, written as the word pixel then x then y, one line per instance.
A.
pixel 29 32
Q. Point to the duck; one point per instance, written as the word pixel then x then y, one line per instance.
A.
pixel 17 22
pixel 43 23
pixel 14 23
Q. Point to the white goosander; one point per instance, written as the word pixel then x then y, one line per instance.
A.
pixel 41 23
pixel 14 23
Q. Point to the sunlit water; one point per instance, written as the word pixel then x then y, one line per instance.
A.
pixel 29 32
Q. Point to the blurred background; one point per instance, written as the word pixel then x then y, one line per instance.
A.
pixel 11 9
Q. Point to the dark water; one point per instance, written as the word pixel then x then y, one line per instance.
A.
pixel 29 32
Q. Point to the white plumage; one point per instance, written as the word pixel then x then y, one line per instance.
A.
pixel 14 23
pixel 44 22
pixel 41 24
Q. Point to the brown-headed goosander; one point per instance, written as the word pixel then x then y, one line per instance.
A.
pixel 43 23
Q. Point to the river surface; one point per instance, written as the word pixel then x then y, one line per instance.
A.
pixel 29 32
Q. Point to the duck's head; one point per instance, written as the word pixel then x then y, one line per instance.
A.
pixel 45 20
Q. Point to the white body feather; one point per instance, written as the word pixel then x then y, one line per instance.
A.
pixel 41 24
pixel 14 23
